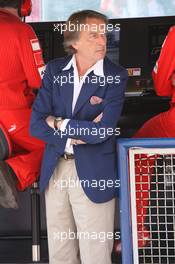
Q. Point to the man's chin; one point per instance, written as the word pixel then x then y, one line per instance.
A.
pixel 100 55
pixel 97 57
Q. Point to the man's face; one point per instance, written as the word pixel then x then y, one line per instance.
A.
pixel 91 44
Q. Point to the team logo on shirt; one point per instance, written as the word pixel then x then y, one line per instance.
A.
pixel 12 128
pixel 42 71
pixel 38 58
pixel 35 44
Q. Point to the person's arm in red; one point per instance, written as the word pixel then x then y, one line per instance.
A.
pixel 31 57
pixel 165 66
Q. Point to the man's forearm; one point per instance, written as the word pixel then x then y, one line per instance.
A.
pixel 89 132
pixel 62 126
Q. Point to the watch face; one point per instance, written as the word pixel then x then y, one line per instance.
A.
pixel 58 118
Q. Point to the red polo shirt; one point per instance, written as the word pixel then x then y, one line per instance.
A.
pixel 165 67
pixel 20 62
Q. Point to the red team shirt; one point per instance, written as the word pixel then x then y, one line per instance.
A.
pixel 21 65
pixel 21 62
pixel 160 126
pixel 165 67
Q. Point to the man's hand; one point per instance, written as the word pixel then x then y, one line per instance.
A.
pixel 50 121
pixel 80 142
pixel 77 142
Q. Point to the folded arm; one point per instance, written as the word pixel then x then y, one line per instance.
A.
pixel 42 108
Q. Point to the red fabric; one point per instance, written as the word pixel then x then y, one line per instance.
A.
pixel 165 67
pixel 27 150
pixel 160 126
pixel 19 74
pixel 18 70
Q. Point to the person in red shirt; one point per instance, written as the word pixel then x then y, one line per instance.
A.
pixel 162 125
pixel 20 72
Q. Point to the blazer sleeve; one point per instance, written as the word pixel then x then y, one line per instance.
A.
pixel 91 132
pixel 41 109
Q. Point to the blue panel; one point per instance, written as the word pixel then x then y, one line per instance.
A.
pixel 125 213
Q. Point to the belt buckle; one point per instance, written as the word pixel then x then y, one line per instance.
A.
pixel 65 156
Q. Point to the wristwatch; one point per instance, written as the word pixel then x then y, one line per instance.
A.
pixel 56 120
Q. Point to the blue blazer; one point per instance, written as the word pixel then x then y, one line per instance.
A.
pixel 96 160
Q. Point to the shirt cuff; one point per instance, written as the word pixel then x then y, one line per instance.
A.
pixel 64 124
pixel 69 147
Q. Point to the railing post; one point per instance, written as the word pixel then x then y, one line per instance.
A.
pixel 35 222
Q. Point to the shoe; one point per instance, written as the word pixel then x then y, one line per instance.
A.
pixel 8 191
pixel 5 144
pixel 117 247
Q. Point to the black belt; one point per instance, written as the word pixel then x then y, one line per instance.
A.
pixel 68 156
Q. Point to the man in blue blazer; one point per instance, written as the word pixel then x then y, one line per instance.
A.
pixel 76 113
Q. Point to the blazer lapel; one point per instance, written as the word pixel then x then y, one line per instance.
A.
pixel 66 90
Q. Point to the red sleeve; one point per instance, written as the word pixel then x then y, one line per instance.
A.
pixel 31 56
pixel 165 66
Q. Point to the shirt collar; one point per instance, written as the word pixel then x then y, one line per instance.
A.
pixel 6 12
pixel 97 68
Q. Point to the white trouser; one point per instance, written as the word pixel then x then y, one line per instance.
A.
pixel 71 214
